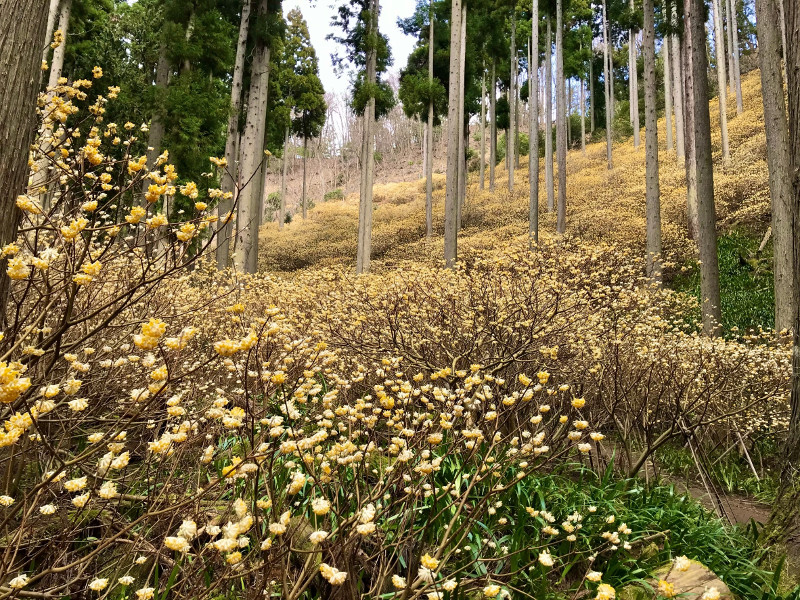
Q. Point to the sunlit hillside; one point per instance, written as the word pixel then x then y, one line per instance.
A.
pixel 602 205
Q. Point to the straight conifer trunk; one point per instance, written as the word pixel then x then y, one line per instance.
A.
pixel 252 154
pixel 668 110
pixel 493 127
pixel 591 93
pixel 677 90
pixel 429 153
pixel 22 29
pixel 784 522
pixel 533 127
pixel 561 123
pixel 453 133
pixel 780 183
pixel 228 182
pixel 512 105
pixel 463 140
pixel 633 75
pixel 653 191
pixel 733 32
pixel 719 45
pixel 51 23
pixel 284 165
pixel 483 132
pixel 608 90
pixel 367 154
pixel 697 89
pixel 583 117
pixel 548 118
pixel 305 161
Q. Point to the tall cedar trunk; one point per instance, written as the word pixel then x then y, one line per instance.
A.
pixel 784 522
pixel 51 23
pixel 690 163
pixel 22 29
pixel 533 126
pixel 633 84
pixel 156 134
pixel 782 11
pixel 463 140
pixel 512 105
pixel 733 27
pixel 305 162
pixel 482 175
pixel 429 154
pixel 548 118
pixel 40 179
pixel 228 183
pixel 651 144
pixel 701 120
pixel 493 127
pixel 607 86
pixel 777 130
pixel 591 92
pixel 719 46
pixel 569 112
pixel 453 133
pixel 725 12
pixel 368 154
pixel 561 124
pixel 667 88
pixel 252 155
pixel 677 91
pixel 285 161
pixel 583 116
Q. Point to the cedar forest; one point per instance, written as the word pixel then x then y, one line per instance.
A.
pixel 519 318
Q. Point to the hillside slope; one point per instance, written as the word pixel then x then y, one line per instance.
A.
pixel 603 205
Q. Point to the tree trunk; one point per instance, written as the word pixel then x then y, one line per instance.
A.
pixel 783 38
pixel 363 255
pixel 252 155
pixel 429 156
pixel 533 127
pixel 591 93
pixel 697 89
pixel 653 192
pixel 51 23
pixel 733 28
pixel 156 133
pixel 463 139
pixel 633 83
pixel 483 132
pixel 285 161
pixel 453 133
pixel 780 183
pixel 668 110
pixel 22 29
pixel 561 124
pixel 548 118
pixel 583 117
pixel 569 112
pixel 784 522
pixel 512 107
pixel 719 45
pixel 607 85
pixel 305 161
pixel 493 117
pixel 228 183
pixel 677 90
pixel 57 66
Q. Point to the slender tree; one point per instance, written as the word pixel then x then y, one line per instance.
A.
pixel 228 179
pixel 493 119
pixel 607 73
pixel 548 117
pixel 533 125
pixel 252 155
pixel 453 133
pixel 653 191
pixel 429 129
pixel 719 46
pixel 780 182
pixel 463 138
pixel 633 83
pixel 697 88
pixel 677 85
pixel 561 122
pixel 512 103
pixel 668 110
pixel 733 34
pixel 482 168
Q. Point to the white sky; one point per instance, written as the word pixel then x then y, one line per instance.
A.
pixel 318 15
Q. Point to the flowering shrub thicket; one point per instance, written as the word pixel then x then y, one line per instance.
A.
pixel 166 433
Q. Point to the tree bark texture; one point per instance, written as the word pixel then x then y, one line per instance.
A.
pixel 653 191
pixel 561 123
pixel 453 133
pixel 533 126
